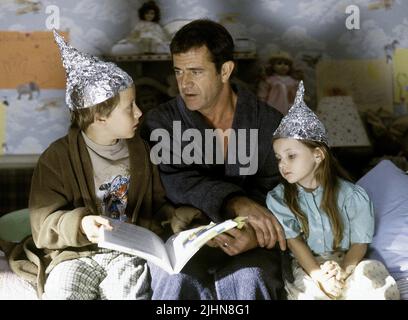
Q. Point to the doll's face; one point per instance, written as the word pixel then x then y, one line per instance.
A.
pixel 281 67
pixel 149 15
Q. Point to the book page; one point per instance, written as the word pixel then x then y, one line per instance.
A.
pixel 183 246
pixel 136 240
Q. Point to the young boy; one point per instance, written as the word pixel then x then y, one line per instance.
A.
pixel 101 168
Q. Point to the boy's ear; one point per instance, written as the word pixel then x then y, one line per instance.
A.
pixel 98 118
pixel 226 70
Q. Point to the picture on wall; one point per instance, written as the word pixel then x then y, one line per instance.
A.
pixel 32 106
pixel 368 82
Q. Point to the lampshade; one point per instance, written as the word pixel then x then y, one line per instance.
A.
pixel 342 121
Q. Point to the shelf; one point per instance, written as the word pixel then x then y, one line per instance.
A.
pixel 138 57
pixel 18 161
pixel 165 57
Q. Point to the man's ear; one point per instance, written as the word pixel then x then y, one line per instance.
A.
pixel 226 70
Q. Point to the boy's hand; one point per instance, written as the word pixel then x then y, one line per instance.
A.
pixel 90 226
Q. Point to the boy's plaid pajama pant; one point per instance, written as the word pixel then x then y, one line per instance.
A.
pixel 105 275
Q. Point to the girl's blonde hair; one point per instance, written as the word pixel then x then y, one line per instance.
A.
pixel 327 175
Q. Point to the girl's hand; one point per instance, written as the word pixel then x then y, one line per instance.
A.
pixel 90 226
pixel 345 273
pixel 326 279
pixel 332 287
pixel 333 266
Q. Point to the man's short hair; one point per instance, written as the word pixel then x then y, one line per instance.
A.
pixel 204 32
pixel 84 117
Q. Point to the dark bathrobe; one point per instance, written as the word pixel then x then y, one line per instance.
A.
pixel 211 273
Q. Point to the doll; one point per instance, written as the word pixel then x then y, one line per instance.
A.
pixel 278 87
pixel 147 35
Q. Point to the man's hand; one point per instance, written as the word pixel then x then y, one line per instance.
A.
pixel 266 226
pixel 185 217
pixel 235 241
pixel 90 226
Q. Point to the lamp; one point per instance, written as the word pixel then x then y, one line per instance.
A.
pixel 342 121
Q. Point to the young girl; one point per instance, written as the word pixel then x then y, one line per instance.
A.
pixel 279 86
pixel 328 221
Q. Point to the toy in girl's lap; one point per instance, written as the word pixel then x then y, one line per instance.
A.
pixel 328 221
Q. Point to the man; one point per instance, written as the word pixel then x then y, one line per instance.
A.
pixel 220 184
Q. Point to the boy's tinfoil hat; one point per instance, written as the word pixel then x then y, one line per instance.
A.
pixel 301 123
pixel 89 80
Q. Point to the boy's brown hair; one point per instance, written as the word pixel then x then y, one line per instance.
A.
pixel 84 117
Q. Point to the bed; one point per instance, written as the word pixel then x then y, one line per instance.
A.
pixel 386 185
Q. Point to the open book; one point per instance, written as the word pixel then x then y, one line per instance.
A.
pixel 171 255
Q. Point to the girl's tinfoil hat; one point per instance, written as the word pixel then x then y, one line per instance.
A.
pixel 301 123
pixel 89 80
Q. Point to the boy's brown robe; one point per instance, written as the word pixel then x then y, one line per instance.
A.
pixel 63 192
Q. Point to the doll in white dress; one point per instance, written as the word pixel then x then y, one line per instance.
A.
pixel 147 35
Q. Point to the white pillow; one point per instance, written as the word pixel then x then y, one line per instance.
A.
pixel 12 287
pixel 387 187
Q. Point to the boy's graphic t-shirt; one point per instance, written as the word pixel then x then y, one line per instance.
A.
pixel 111 176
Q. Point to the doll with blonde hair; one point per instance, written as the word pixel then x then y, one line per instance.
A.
pixel 278 87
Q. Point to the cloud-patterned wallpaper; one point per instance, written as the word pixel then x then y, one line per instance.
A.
pixel 306 27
